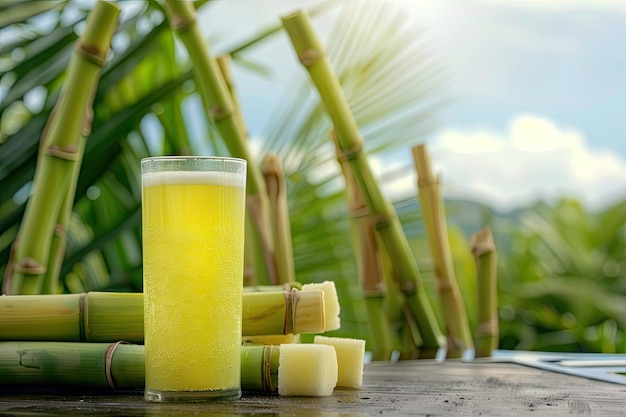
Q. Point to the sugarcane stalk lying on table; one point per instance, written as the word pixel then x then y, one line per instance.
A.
pixel 122 366
pixel 109 317
pixel 114 365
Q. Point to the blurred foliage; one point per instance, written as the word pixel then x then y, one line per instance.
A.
pixel 560 268
pixel 562 284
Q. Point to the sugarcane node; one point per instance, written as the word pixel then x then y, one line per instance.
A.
pixel 85 128
pixel 348 154
pixel 358 212
pixel 59 229
pixel 380 221
pixel 219 113
pixel 178 22
pixel 30 266
pixel 443 284
pixel 408 287
pixel 309 57
pixel 91 54
pixel 266 371
pixel 288 326
pixel 82 307
pixel 295 297
pixel 68 153
pixel 108 361
pixel 487 327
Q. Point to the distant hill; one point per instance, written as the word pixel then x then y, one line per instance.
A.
pixel 468 216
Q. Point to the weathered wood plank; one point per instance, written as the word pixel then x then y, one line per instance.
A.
pixel 416 388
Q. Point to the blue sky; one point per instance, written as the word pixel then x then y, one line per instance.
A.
pixel 561 61
pixel 538 88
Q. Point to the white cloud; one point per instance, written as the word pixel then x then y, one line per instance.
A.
pixel 535 159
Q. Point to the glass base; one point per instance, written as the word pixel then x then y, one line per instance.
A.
pixel 191 396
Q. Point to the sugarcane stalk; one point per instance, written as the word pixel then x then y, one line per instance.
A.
pixel 487 333
pixel 223 62
pixel 171 117
pixel 219 106
pixel 111 365
pixel 58 244
pixel 313 58
pixel 458 332
pixel 53 180
pixel 407 339
pixel 369 263
pixel 259 368
pixel 107 316
pixel 252 250
pixel 279 217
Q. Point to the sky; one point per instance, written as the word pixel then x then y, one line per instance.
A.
pixel 540 87
pixel 537 92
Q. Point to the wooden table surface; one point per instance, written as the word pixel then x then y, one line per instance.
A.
pixel 411 388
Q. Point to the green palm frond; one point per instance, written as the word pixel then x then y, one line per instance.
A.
pixel 20 11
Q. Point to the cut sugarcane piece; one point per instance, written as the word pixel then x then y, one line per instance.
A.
pixel 307 370
pixel 350 359
pixel 109 316
pixel 272 339
pixel 111 365
pixel 331 302
pixel 259 368
pixel 298 311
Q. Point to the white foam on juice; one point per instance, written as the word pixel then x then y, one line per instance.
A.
pixel 193 177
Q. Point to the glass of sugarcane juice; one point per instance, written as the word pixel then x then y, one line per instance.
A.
pixel 193 232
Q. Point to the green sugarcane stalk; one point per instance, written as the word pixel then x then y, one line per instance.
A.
pixel 223 62
pixel 108 317
pixel 370 264
pixel 59 237
pixel 218 103
pixel 487 333
pixel 115 365
pixel 407 338
pixel 453 308
pixel 54 180
pixel 279 217
pixel 312 56
pixel 252 250
pixel 259 368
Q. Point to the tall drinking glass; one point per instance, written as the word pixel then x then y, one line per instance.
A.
pixel 193 231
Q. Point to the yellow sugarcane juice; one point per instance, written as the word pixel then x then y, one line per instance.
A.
pixel 193 231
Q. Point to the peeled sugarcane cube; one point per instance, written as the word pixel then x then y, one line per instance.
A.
pixel 307 370
pixel 331 302
pixel 350 359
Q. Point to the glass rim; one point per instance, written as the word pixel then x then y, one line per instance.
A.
pixel 191 158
